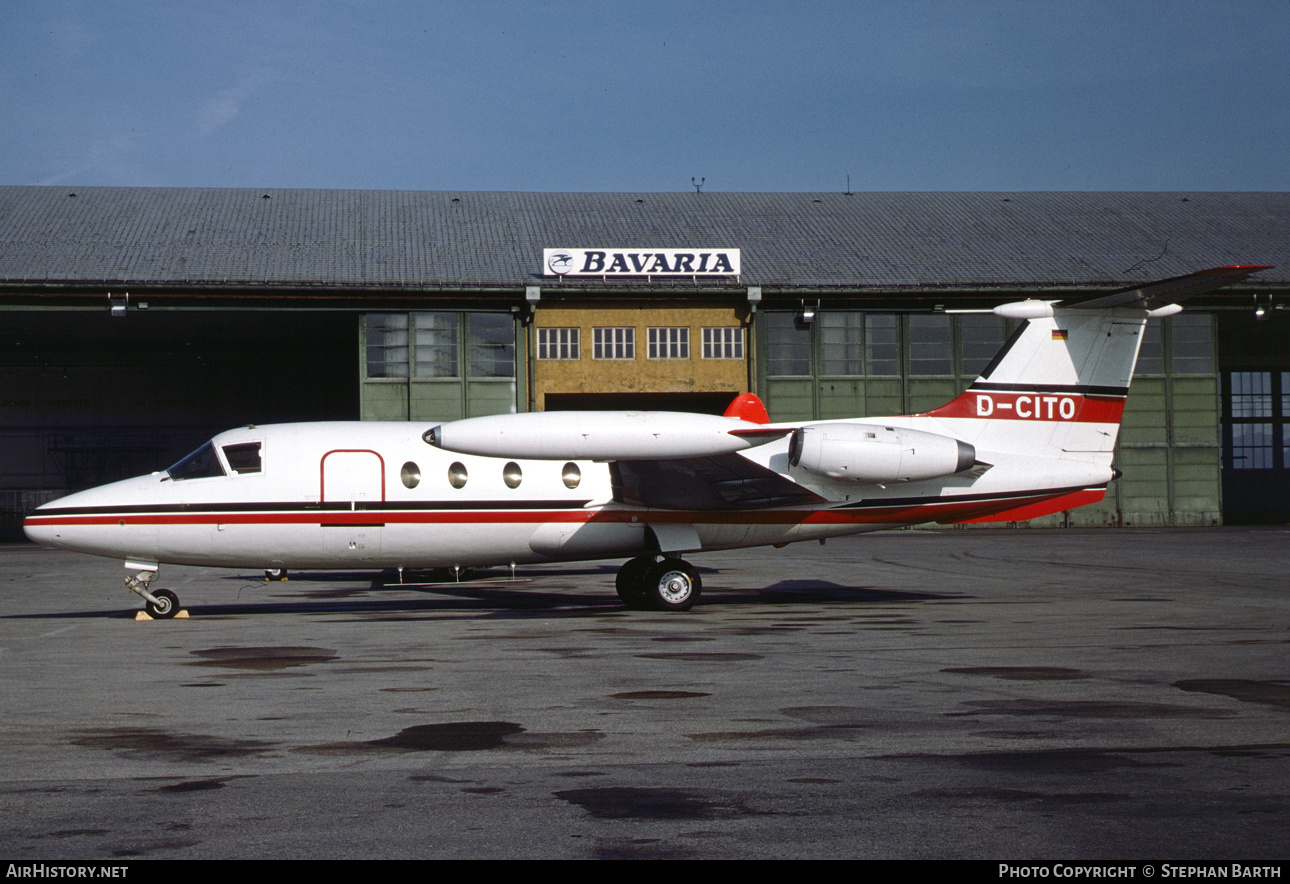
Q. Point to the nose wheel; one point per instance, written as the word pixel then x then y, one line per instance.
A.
pixel 165 606
pixel 159 604
pixel 645 582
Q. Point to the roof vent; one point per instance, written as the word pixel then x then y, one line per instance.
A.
pixel 72 195
pixel 265 197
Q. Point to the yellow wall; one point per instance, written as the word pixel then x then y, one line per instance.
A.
pixel 639 375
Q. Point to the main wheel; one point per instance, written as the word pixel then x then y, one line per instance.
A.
pixel 275 573
pixel 166 607
pixel 672 585
pixel 630 582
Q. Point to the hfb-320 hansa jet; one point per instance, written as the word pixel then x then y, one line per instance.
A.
pixel 1033 435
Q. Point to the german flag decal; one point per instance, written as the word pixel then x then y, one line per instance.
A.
pixel 1059 334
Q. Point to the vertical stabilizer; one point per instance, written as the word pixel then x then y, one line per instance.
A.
pixel 1059 382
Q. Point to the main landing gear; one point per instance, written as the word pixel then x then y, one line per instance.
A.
pixel 160 604
pixel 663 584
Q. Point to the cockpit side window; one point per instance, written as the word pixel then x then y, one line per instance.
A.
pixel 243 457
pixel 201 464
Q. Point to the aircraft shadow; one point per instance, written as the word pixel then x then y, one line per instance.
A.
pixel 496 596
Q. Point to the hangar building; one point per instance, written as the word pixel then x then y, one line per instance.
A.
pixel 137 322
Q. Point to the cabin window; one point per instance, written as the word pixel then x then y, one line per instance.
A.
pixel 243 457
pixel 410 474
pixel 571 475
pixel 201 464
pixel 457 475
pixel 512 475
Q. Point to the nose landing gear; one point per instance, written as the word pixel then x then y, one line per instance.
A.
pixel 161 604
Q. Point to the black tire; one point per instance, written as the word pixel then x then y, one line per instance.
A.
pixel 630 582
pixel 275 573
pixel 672 585
pixel 166 607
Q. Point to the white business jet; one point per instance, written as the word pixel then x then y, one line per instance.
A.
pixel 1034 434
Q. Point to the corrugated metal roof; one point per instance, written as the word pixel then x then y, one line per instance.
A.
pixel 199 236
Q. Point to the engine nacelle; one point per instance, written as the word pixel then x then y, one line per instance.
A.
pixel 877 454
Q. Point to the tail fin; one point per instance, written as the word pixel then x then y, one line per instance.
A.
pixel 1060 382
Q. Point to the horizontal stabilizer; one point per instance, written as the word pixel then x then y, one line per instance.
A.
pixel 1153 295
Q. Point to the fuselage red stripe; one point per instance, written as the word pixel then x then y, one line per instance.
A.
pixel 879 512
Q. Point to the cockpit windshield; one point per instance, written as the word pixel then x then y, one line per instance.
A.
pixel 243 457
pixel 201 464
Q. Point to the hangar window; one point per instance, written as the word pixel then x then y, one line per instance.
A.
pixel 558 343
pixel 1252 446
pixel 789 345
pixel 387 345
pixel 842 343
pixel 882 344
pixel 1192 344
pixel 1251 393
pixel 429 346
pixel 1151 353
pixel 243 457
pixel 201 464
pixel 1257 417
pixel 492 345
pixel 723 343
pixel 669 343
pixel 930 347
pixel 435 344
pixel 981 336
pixel 613 343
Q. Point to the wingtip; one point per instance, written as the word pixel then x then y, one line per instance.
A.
pixel 1234 269
pixel 748 407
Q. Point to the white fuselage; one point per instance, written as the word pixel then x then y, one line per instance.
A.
pixel 343 495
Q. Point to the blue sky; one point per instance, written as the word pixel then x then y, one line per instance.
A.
pixel 908 95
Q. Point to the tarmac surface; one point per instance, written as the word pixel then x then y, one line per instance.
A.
pixel 1027 694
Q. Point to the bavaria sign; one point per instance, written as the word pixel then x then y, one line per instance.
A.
pixel 641 262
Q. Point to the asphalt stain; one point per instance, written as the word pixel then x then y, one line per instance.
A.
pixel 1056 761
pixel 659 695
pixel 1087 709
pixel 454 736
pixel 1021 673
pixel 630 802
pixel 483 790
pixel 995 795
pixel 262 659
pixel 1268 693
pixel 152 743
pixel 191 786
pixel 814 781
pixel 460 736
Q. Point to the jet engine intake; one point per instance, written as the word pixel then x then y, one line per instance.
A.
pixel 877 454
